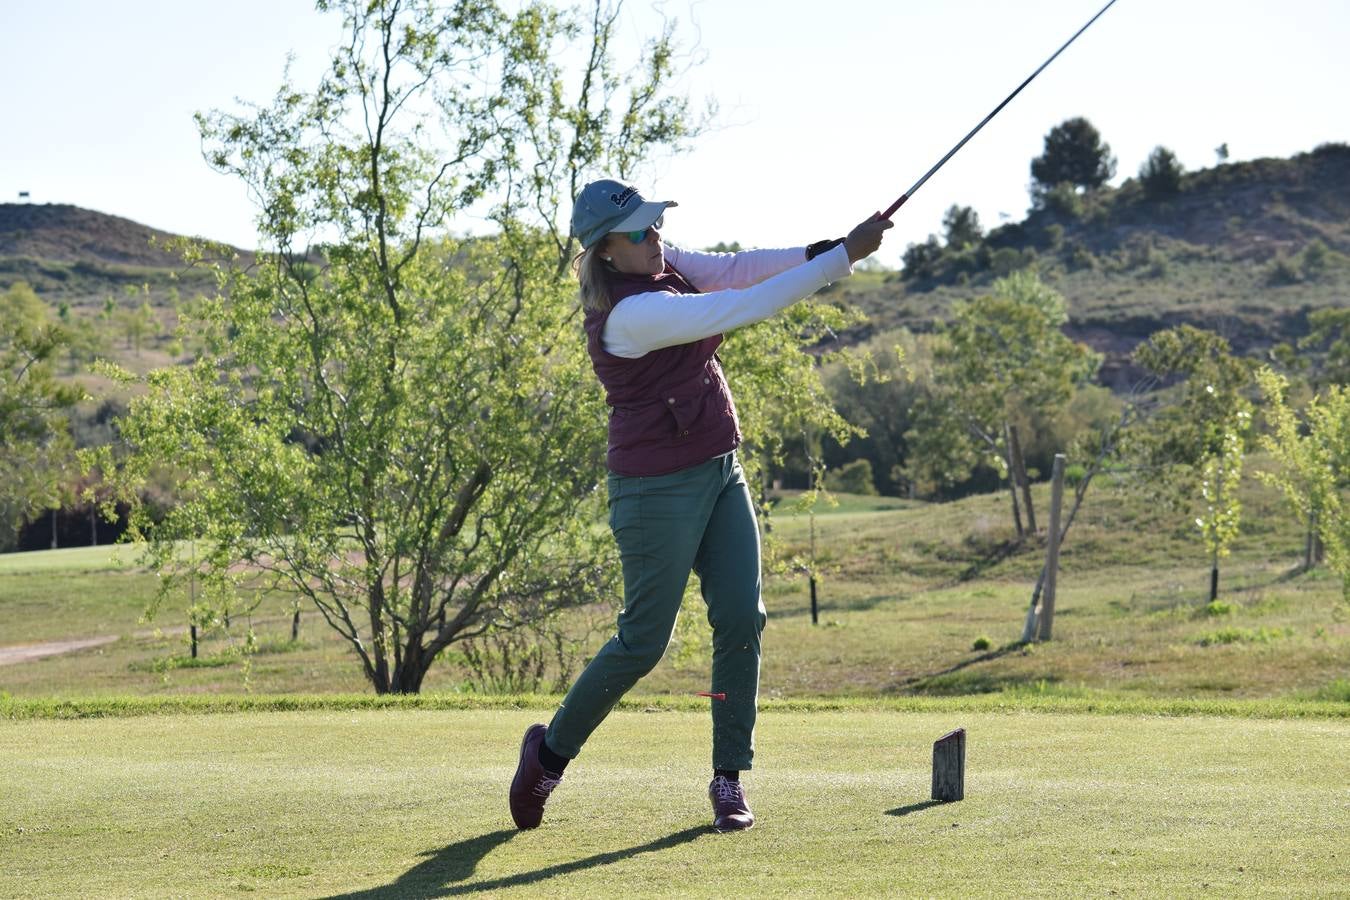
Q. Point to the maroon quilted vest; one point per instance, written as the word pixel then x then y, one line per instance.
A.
pixel 670 409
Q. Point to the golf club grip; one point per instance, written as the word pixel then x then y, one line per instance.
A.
pixel 890 210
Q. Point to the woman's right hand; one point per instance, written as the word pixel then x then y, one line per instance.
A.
pixel 864 239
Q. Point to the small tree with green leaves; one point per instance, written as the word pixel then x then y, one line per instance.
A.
pixel 1074 154
pixel 34 445
pixel 1161 173
pixel 1002 354
pixel 1186 447
pixel 961 225
pixel 1327 345
pixel 399 426
pixel 1220 476
pixel 1313 456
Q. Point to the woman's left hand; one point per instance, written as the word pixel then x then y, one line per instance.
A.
pixel 865 238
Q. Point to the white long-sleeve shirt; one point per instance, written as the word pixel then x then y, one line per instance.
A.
pixel 737 289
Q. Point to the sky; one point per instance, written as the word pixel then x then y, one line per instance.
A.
pixel 827 111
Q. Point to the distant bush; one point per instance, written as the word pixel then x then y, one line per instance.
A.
pixel 1284 271
pixel 1315 258
pixel 1331 149
pixel 1080 257
pixel 1161 173
pixel 1064 199
pixel 852 478
pixel 920 260
pixel 1005 260
pixel 982 643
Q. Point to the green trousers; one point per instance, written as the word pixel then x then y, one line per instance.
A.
pixel 698 519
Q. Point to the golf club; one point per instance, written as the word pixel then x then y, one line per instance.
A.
pixel 952 152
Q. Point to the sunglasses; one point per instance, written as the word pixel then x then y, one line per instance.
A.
pixel 638 237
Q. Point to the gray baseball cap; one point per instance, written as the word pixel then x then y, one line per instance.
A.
pixel 607 205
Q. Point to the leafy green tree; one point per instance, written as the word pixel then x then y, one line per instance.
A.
pixel 1313 455
pixel 34 445
pixel 1188 444
pixel 920 260
pixel 853 478
pixel 397 426
pixel 1003 354
pixel 1221 473
pixel 881 404
pixel 1074 154
pixel 961 225
pixel 1183 426
pixel 409 435
pixel 1161 173
pixel 1328 345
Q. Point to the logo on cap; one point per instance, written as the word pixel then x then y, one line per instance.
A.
pixel 621 200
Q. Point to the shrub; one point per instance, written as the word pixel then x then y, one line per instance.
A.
pixel 1161 173
pixel 1315 257
pixel 982 643
pixel 852 478
pixel 920 260
pixel 1218 608
pixel 1005 260
pixel 1064 199
pixel 1284 271
pixel 1243 636
pixel 1080 257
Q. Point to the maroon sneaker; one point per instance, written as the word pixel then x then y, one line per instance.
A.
pixel 730 811
pixel 533 783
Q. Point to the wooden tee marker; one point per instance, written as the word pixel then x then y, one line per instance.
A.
pixel 949 766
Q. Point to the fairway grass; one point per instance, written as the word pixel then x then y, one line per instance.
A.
pixel 389 803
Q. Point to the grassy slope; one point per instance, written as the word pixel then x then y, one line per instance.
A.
pixel 905 592
pixel 412 803
pixel 1205 257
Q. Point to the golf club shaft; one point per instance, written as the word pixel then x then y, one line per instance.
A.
pixel 952 152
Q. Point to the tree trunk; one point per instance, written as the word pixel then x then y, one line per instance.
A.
pixel 1214 582
pixel 1020 473
pixel 53 529
pixel 1012 488
pixel 295 625
pixel 93 525
pixel 408 677
pixel 1047 613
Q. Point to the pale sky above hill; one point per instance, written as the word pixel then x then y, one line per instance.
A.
pixel 828 110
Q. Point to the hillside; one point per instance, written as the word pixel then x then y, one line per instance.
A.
pixel 1228 252
pixel 1246 249
pixel 81 256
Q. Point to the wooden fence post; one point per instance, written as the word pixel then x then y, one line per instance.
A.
pixel 949 766
pixel 1047 616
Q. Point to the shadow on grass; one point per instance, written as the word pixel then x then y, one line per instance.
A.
pixel 445 870
pixel 913 807
pixel 940 680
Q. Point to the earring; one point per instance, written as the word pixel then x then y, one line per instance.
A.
pixel 607 258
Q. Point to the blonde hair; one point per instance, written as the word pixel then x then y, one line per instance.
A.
pixel 592 274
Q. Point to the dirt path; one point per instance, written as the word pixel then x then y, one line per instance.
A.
pixel 17 653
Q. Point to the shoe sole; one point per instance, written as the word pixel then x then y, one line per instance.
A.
pixel 731 830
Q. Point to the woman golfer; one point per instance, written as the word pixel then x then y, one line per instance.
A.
pixel 678 500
